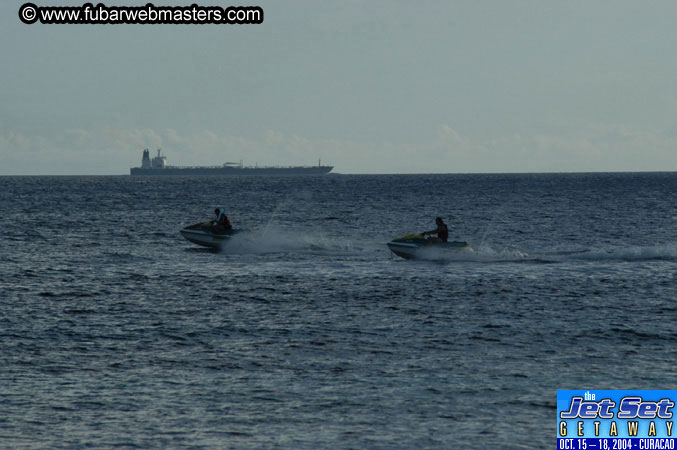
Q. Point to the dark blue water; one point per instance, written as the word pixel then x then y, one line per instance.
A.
pixel 307 333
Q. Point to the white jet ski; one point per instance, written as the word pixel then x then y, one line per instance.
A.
pixel 203 234
pixel 414 246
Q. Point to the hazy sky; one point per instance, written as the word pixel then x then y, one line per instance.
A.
pixel 368 86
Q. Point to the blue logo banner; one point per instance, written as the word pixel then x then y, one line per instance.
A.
pixel 636 416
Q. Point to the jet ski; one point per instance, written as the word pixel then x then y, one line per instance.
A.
pixel 203 234
pixel 415 246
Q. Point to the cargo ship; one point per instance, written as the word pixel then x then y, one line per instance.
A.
pixel 158 166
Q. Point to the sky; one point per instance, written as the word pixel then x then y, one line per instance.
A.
pixel 368 86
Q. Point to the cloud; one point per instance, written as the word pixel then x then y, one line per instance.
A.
pixel 597 148
pixel 109 151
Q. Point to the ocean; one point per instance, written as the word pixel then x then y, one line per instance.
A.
pixel 307 333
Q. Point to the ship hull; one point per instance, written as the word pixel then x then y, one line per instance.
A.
pixel 219 171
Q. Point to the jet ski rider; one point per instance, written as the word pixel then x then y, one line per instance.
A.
pixel 441 231
pixel 221 224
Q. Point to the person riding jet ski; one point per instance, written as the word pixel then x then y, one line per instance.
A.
pixel 221 224
pixel 442 232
